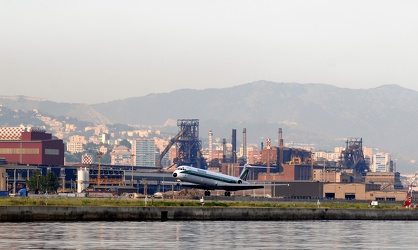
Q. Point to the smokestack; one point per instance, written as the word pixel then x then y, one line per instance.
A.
pixel 234 146
pixel 279 164
pixel 210 145
pixel 244 144
pixel 268 155
pixel 224 150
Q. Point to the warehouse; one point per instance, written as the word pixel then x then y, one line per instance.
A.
pixel 30 145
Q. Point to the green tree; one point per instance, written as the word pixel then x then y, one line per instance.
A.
pixel 125 143
pixel 51 182
pixel 35 181
pixel 48 183
pixel 76 157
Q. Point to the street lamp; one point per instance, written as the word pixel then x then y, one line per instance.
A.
pixel 99 155
pixel 132 174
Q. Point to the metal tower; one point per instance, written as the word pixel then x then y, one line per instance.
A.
pixel 352 156
pixel 188 145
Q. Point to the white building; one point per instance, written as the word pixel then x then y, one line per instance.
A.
pixel 381 162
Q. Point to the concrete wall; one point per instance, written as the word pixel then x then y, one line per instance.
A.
pixel 60 213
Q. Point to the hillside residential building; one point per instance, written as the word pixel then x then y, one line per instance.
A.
pixel 144 151
pixel 74 147
pixel 77 138
pixel 121 155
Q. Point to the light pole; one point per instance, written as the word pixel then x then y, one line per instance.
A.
pixel 132 173
pixel 99 155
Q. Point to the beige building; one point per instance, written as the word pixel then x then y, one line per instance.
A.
pixel 77 138
pixel 326 176
pixel 361 191
pixel 349 190
pixel 74 147
pixel 70 127
pixel 121 155
pixel 388 181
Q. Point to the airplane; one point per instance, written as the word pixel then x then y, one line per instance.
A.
pixel 209 180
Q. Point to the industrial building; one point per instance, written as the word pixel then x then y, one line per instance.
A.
pixel 338 191
pixel 140 178
pixel 387 180
pixel 27 150
pixel 30 145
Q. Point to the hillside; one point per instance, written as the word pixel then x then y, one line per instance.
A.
pixel 80 111
pixel 321 115
pixel 385 117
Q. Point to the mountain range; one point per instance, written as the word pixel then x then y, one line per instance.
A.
pixel 320 115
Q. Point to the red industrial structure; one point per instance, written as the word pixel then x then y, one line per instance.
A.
pixel 30 145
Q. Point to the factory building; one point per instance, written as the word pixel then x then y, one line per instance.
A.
pixel 291 172
pixel 337 191
pixel 389 181
pixel 30 145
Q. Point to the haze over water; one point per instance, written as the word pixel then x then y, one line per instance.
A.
pixel 211 235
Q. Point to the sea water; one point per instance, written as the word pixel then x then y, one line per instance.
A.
pixel 211 235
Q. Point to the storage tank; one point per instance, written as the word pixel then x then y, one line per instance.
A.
pixel 83 179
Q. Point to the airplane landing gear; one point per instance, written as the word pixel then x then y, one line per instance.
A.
pixel 227 193
pixel 207 193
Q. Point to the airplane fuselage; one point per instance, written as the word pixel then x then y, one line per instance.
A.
pixel 205 177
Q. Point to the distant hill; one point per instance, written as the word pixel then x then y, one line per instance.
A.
pixel 82 112
pixel 386 117
pixel 322 115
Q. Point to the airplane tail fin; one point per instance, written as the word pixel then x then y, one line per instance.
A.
pixel 244 174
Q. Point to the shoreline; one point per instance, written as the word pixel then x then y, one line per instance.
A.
pixel 150 213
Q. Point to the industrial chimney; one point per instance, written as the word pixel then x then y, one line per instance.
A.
pixel 244 144
pixel 210 145
pixel 279 164
pixel 234 146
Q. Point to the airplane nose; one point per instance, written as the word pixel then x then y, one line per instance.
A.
pixel 174 175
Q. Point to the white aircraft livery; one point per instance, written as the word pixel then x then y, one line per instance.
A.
pixel 208 180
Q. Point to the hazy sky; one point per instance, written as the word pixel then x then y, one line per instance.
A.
pixel 96 51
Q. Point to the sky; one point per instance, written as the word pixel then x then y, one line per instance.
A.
pixel 98 51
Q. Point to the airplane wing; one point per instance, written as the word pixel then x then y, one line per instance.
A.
pixel 229 187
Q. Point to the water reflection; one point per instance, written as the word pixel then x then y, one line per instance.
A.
pixel 210 235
